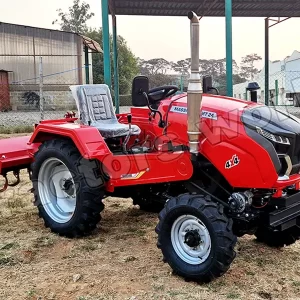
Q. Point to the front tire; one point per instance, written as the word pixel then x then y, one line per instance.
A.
pixel 196 237
pixel 68 189
pixel 277 239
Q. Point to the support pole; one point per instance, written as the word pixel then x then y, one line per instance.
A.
pixel 106 43
pixel 266 61
pixel 181 83
pixel 228 17
pixel 87 65
pixel 276 91
pixel 116 68
pixel 41 88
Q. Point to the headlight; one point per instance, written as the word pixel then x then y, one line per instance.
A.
pixel 273 137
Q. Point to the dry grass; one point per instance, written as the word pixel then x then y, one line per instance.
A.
pixel 16 129
pixel 120 260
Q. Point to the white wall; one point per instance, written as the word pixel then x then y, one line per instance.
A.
pixel 287 74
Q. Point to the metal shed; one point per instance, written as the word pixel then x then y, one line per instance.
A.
pixel 239 8
pixel 64 61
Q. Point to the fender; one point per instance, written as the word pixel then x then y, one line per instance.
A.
pixel 88 140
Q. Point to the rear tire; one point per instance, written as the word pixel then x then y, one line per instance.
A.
pixel 68 189
pixel 277 239
pixel 196 237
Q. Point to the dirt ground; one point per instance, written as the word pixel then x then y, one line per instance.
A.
pixel 120 260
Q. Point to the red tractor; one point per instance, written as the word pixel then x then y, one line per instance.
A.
pixel 216 167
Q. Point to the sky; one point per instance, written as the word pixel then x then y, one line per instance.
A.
pixel 167 37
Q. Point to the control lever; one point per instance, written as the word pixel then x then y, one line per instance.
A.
pixel 129 119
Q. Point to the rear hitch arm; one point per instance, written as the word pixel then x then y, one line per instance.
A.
pixel 17 176
pixel 7 184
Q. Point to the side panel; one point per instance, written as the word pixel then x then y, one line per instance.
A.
pixel 241 160
pixel 126 170
pixel 224 137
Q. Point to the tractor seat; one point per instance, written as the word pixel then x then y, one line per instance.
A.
pixel 95 107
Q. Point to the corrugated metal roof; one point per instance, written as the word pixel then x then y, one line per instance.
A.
pixel 23 31
pixel 240 8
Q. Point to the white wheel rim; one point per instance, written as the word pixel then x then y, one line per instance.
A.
pixel 188 227
pixel 57 190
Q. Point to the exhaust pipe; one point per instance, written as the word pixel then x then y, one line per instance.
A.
pixel 194 93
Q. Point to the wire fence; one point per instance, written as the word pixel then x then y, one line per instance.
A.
pixel 28 101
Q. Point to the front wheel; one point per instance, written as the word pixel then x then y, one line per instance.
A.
pixel 277 239
pixel 68 189
pixel 196 237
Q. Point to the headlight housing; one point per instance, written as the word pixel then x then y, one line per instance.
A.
pixel 273 137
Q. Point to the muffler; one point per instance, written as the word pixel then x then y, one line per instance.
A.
pixel 194 92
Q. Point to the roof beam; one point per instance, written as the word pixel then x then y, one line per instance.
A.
pixel 241 8
pixel 277 21
pixel 217 12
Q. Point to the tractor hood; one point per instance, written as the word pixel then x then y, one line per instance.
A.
pixel 272 120
pixel 216 104
pixel 278 128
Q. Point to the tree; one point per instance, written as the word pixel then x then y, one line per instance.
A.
pixel 154 66
pixel 213 67
pixel 127 62
pixel 76 18
pixel 156 80
pixel 182 66
pixel 248 69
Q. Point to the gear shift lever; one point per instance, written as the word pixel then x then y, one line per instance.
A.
pixel 129 119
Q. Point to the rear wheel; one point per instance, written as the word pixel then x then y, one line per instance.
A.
pixel 68 189
pixel 277 239
pixel 196 237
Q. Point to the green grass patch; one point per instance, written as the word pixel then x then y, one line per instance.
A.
pixel 233 295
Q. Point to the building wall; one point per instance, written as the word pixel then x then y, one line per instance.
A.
pixel 287 75
pixel 27 98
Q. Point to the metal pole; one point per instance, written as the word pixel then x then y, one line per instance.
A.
pixel 266 61
pixel 276 91
pixel 116 68
pixel 41 89
pixel 228 18
pixel 181 83
pixel 106 43
pixel 87 65
pixel 194 93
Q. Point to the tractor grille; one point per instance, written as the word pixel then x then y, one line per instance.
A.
pixel 292 150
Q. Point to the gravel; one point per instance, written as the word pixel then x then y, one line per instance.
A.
pixel 21 118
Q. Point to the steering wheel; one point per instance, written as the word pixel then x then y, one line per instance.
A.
pixel 162 92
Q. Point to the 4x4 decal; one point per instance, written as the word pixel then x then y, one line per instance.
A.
pixel 234 161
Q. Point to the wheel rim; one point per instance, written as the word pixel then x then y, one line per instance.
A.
pixel 57 190
pixel 191 239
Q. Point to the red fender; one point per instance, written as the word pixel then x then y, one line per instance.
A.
pixel 87 139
